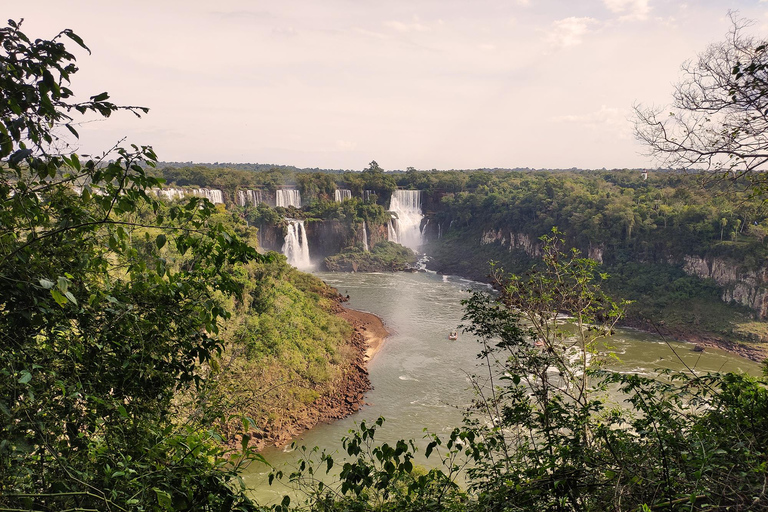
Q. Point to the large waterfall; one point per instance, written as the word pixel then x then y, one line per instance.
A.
pixel 213 195
pixel 342 194
pixel 249 197
pixel 295 245
pixel 169 194
pixel 288 197
pixel 406 224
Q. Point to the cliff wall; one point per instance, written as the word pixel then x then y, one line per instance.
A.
pixel 746 287
pixel 740 285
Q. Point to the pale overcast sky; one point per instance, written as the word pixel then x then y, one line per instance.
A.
pixel 443 84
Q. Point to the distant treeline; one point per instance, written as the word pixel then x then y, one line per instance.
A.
pixel 628 217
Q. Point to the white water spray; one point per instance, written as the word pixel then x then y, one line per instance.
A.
pixel 288 197
pixel 391 232
pixel 249 197
pixel 406 205
pixel 342 194
pixel 295 245
pixel 365 237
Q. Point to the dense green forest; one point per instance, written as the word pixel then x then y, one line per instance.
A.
pixel 147 347
pixel 132 330
pixel 664 239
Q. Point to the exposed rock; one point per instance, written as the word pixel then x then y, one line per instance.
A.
pixel 746 287
pixel 348 394
pixel 596 253
pixel 512 240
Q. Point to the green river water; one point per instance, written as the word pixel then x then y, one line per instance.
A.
pixel 420 378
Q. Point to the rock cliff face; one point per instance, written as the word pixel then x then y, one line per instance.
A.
pixel 512 240
pixel 326 237
pixel 746 287
pixel 271 238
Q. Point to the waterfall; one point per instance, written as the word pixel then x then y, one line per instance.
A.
pixel 213 195
pixel 423 231
pixel 367 195
pixel 342 194
pixel 391 232
pixel 288 197
pixel 439 231
pixel 365 237
pixel 296 246
pixel 169 194
pixel 249 197
pixel 406 205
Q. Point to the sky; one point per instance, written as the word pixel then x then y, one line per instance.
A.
pixel 430 84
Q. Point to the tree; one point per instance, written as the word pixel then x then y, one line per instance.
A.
pixel 718 120
pixel 109 302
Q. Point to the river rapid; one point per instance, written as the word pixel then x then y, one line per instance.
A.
pixel 420 377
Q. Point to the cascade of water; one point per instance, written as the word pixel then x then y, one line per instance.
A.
pixel 367 195
pixel 439 231
pixel 288 197
pixel 170 194
pixel 365 237
pixel 213 195
pixel 342 194
pixel 295 244
pixel 249 197
pixel 391 232
pixel 406 204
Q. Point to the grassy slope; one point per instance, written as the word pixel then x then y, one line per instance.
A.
pixel 285 348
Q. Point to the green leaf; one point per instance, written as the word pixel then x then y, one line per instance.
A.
pixel 77 136
pixel 62 283
pixel 160 241
pixel 76 38
pixel 25 377
pixel 100 97
pixel 46 283
pixel 163 499
pixel 60 299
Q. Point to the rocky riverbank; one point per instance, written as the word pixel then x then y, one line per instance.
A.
pixel 348 395
pixel 754 351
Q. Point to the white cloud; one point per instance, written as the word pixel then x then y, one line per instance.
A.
pixel 568 31
pixel 607 119
pixel 345 145
pixel 400 26
pixel 629 9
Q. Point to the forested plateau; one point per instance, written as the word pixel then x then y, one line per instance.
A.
pixel 689 253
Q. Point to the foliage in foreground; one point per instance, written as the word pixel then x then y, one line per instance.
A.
pixel 553 430
pixel 100 323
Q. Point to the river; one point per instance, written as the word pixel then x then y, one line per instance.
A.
pixel 420 378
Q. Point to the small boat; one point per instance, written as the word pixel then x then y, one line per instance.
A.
pixel 453 336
